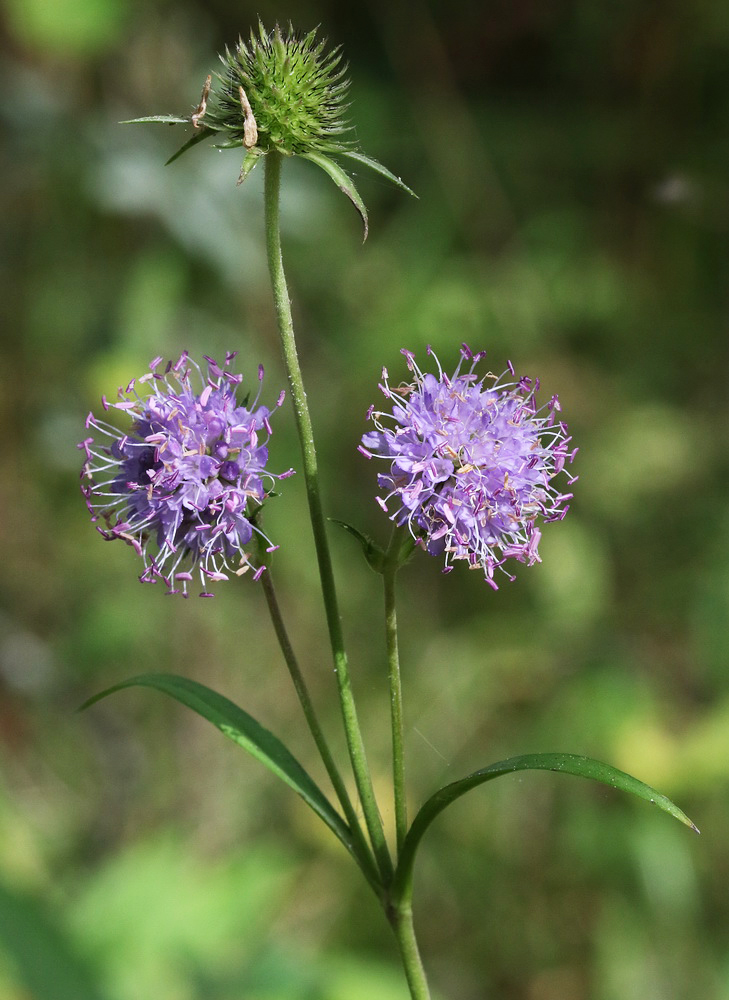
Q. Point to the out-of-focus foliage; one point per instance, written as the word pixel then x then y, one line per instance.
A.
pixel 572 165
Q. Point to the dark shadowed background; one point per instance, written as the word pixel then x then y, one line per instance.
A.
pixel 572 166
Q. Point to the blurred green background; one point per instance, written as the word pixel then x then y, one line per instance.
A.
pixel 572 164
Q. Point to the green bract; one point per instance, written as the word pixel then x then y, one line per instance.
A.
pixel 280 93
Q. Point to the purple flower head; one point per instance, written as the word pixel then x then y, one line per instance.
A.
pixel 471 462
pixel 183 484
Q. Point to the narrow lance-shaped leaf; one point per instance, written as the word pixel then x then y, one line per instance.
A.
pixel 195 138
pixel 198 135
pixel 343 181
pixel 243 729
pixel 157 119
pixel 370 549
pixel 378 168
pixel 584 767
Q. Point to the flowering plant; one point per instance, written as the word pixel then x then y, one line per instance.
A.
pixel 188 479
pixel 472 469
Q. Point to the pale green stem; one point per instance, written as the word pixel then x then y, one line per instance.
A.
pixel 282 303
pixel 400 911
pixel 359 844
pixel 401 918
pixel 390 568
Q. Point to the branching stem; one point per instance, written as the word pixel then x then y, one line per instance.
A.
pixel 359 843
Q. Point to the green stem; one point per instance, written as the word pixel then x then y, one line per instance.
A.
pixel 401 918
pixel 391 566
pixel 361 847
pixel 282 303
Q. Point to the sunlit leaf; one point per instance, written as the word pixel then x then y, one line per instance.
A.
pixel 583 767
pixel 343 181
pixel 378 168
pixel 243 729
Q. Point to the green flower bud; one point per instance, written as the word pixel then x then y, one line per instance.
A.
pixel 280 94
pixel 291 87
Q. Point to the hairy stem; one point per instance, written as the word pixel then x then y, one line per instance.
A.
pixel 282 303
pixel 359 843
pixel 391 566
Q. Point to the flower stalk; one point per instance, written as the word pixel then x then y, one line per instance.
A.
pixel 355 743
pixel 362 848
pixel 391 565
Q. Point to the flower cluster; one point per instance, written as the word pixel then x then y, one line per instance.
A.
pixel 471 462
pixel 183 485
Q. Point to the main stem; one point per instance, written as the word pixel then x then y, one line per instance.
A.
pixel 355 744
pixel 401 918
pixel 390 569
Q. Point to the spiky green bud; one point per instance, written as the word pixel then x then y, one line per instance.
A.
pixel 280 93
pixel 294 88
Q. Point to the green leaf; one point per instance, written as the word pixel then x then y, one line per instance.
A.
pixel 195 138
pixel 565 763
pixel 343 181
pixel 372 552
pixel 243 729
pixel 158 119
pixel 235 144
pixel 378 168
pixel 250 160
